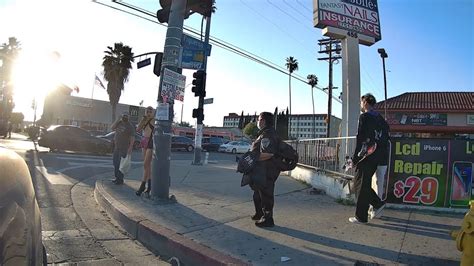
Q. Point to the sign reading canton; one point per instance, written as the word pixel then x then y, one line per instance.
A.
pixel 355 16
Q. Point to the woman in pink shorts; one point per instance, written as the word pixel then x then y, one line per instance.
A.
pixel 147 127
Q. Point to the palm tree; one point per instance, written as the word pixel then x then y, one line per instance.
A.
pixel 117 63
pixel 291 65
pixel 313 81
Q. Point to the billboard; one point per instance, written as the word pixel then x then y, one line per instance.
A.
pixel 431 172
pixel 173 85
pixel 358 17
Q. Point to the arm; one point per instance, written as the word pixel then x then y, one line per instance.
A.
pixel 142 124
pixel 115 124
pixel 130 146
pixel 359 139
pixel 265 156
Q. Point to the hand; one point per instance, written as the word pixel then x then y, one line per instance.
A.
pixel 129 151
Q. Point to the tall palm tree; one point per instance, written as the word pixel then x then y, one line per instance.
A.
pixel 291 65
pixel 313 81
pixel 117 63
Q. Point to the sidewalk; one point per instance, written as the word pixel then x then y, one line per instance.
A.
pixel 210 224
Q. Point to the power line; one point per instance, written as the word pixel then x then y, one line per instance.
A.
pixel 217 42
pixel 288 14
pixel 303 6
pixel 304 15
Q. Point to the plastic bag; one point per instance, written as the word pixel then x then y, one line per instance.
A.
pixel 125 164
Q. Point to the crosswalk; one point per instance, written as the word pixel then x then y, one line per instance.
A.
pixel 73 161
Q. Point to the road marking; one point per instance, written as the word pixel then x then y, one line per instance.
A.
pixel 53 177
pixel 91 160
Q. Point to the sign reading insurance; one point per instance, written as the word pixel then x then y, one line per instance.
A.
pixel 355 16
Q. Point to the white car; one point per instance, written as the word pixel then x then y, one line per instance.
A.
pixel 235 147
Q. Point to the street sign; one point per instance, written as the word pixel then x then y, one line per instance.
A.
pixel 192 52
pixel 173 85
pixel 191 43
pixel 144 63
pixel 208 100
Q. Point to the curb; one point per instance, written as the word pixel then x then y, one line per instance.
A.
pixel 160 240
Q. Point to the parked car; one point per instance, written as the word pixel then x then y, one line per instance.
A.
pixel 182 143
pixel 73 138
pixel 212 143
pixel 235 147
pixel 111 135
pixel 20 218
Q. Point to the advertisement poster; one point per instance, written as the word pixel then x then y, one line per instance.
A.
pixel 418 171
pixel 431 172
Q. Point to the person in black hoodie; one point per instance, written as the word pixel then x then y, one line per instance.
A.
pixel 371 130
pixel 265 146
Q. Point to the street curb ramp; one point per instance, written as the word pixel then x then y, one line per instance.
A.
pixel 160 240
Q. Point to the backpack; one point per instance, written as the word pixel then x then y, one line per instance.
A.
pixel 286 158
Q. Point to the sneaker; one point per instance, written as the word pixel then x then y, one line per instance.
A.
pixel 257 216
pixel 378 212
pixel 354 220
pixel 265 222
pixel 371 214
pixel 117 182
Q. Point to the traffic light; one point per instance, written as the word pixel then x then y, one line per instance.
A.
pixel 199 83
pixel 198 113
pixel 157 65
pixel 163 14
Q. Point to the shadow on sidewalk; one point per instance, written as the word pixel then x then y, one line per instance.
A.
pixel 365 249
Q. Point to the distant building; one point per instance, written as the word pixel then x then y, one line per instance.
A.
pixel 231 120
pixel 430 114
pixel 90 114
pixel 303 126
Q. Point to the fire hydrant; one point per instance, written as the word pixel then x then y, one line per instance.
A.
pixel 465 237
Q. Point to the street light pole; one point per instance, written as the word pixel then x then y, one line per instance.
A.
pixel 384 55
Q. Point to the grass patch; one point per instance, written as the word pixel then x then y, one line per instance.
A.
pixel 346 201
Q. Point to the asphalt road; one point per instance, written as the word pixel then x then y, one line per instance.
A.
pixel 75 230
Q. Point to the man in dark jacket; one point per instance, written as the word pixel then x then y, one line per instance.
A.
pixel 123 144
pixel 370 131
pixel 265 146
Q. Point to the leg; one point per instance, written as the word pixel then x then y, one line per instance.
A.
pixel 267 196
pixel 116 161
pixel 365 192
pixel 144 164
pixel 147 165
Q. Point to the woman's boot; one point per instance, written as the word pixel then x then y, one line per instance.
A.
pixel 148 189
pixel 141 189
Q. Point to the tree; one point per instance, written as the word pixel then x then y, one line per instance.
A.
pixel 291 65
pixel 241 121
pixel 313 81
pixel 184 124
pixel 117 63
pixel 251 130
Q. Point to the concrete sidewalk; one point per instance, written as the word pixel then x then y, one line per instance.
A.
pixel 209 224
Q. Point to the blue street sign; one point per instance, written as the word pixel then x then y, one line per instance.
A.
pixel 143 63
pixel 193 52
pixel 191 43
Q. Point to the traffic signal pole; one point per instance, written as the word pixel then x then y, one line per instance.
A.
pixel 162 134
pixel 200 118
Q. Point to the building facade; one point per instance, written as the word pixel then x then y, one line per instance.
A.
pixel 430 114
pixel 90 114
pixel 303 126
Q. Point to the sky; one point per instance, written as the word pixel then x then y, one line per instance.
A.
pixel 429 45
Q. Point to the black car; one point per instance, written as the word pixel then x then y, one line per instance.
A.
pixel 182 143
pixel 110 136
pixel 212 143
pixel 20 217
pixel 73 138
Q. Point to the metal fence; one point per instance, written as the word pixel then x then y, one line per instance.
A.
pixel 326 154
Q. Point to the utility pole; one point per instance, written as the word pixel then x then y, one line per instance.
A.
pixel 200 111
pixel 330 46
pixel 384 55
pixel 162 135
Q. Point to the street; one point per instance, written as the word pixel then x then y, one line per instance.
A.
pixel 74 228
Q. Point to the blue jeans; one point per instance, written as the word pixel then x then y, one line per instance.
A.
pixel 118 155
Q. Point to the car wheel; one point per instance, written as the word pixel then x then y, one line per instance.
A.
pixel 190 148
pixel 234 151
